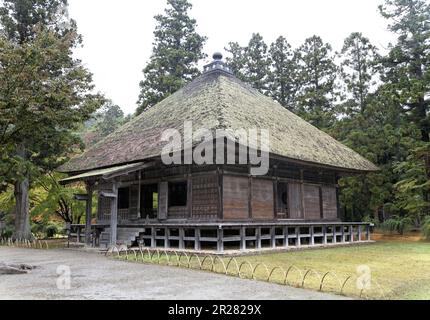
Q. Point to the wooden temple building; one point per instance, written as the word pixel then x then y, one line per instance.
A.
pixel 142 201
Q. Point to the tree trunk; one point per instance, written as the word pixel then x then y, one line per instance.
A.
pixel 22 214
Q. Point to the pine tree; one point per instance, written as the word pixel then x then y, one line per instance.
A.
pixel 177 50
pixel 316 76
pixel 283 85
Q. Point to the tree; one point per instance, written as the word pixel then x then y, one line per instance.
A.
pixel 18 18
pixel 283 85
pixel 237 60
pixel 177 50
pixel 406 69
pixel 358 71
pixel 109 119
pixel 316 76
pixel 251 63
pixel 44 94
pixel 50 198
pixel 407 66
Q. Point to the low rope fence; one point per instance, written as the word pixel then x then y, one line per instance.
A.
pixel 23 243
pixel 292 276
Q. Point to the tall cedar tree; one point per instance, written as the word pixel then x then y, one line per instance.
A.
pixel 251 63
pixel 283 85
pixel 177 50
pixel 407 76
pixel 316 76
pixel 44 95
pixel 407 66
pixel 359 71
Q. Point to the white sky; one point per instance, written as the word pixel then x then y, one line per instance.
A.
pixel 118 34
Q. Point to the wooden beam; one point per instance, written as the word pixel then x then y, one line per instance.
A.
pixel 114 214
pixel 220 180
pixel 139 196
pixel 250 197
pixel 88 212
pixel 81 197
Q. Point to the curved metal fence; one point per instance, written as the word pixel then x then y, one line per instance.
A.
pixel 23 243
pixel 231 266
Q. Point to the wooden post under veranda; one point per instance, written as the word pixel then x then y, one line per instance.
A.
pixel 89 213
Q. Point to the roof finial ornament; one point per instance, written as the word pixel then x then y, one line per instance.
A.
pixel 217 56
pixel 217 64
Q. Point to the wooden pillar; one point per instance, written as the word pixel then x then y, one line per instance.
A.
pixel 273 237
pixel 334 235
pixel 302 193
pixel 88 212
pixel 78 235
pixel 298 239
pixel 368 235
pixel 250 197
pixel 343 234
pixel 153 240
pixel 190 193
pixel 197 244
pixel 258 240
pixel 220 242
pixel 114 215
pixel 286 238
pixel 220 194
pixel 312 233
pixel 166 238
pixel 139 196
pixel 324 228
pixel 181 238
pixel 351 234
pixel 359 233
pixel 243 238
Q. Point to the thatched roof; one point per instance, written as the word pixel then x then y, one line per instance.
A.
pixel 218 100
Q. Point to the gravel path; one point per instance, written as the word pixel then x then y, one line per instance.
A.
pixel 95 277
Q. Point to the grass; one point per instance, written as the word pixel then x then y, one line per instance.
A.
pixel 400 268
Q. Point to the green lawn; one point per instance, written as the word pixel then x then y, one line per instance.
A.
pixel 399 269
pixel 402 269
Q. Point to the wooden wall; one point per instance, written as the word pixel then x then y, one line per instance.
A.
pixel 262 199
pixel 295 201
pixel 236 197
pixel 329 197
pixel 205 197
pixel 312 204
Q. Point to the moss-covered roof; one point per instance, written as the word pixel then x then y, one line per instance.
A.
pixel 218 100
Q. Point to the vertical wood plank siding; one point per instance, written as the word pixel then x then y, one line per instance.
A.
pixel 329 202
pixel 262 199
pixel 235 197
pixel 312 202
pixel 295 199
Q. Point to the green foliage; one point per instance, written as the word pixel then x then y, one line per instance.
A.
pixel 425 229
pixel 177 50
pixel 358 71
pixel 282 82
pixel 316 75
pixel 54 201
pixel 398 224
